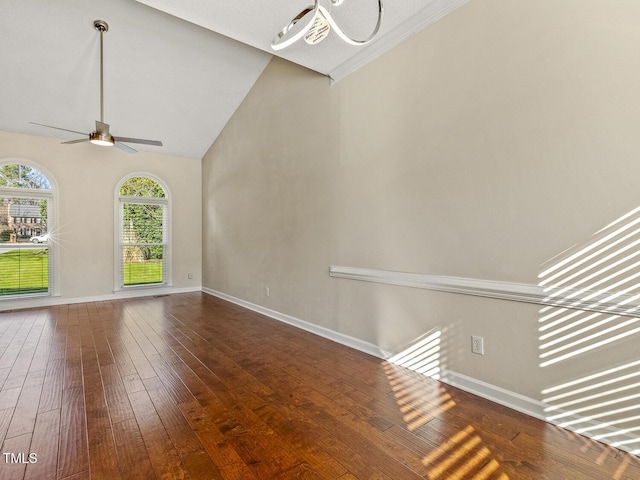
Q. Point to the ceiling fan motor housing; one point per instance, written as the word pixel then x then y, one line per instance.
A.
pixel 101 138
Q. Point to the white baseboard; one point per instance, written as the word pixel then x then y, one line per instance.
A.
pixel 507 398
pixel 337 337
pixel 501 396
pixel 51 301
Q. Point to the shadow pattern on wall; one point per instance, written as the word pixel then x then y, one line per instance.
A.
pixel 598 284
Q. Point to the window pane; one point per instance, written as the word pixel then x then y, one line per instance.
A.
pixel 24 254
pixel 24 238
pixel 143 232
pixel 142 265
pixel 23 176
pixel 23 219
pixel 142 187
pixel 25 269
pixel 142 244
pixel 142 223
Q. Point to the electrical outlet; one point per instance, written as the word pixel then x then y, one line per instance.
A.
pixel 477 345
pixel 190 276
pixel 266 291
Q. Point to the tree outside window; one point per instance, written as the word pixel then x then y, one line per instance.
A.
pixel 143 232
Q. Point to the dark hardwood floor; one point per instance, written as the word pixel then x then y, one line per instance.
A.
pixel 189 386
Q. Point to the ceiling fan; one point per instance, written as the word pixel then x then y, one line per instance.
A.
pixel 101 135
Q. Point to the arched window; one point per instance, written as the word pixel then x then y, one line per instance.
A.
pixel 143 233
pixel 26 231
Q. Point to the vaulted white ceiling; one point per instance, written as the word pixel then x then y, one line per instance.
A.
pixel 175 72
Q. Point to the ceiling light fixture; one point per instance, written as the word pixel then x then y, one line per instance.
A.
pixel 98 138
pixel 316 23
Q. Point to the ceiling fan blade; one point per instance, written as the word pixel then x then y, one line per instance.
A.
pixel 143 141
pixel 102 128
pixel 58 128
pixel 125 148
pixel 76 141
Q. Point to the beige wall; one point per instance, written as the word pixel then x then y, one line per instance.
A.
pixel 87 177
pixel 482 147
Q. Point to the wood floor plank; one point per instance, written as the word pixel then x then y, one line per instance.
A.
pixel 190 386
pixel 84 475
pixel 342 451
pixel 5 419
pixel 307 437
pixel 323 399
pixel 171 382
pixel 102 451
pixel 200 466
pixel 4 374
pixel 221 452
pixel 121 356
pixel 12 467
pixel 44 343
pixel 133 458
pixel 26 409
pixel 569 460
pixel 12 344
pixel 162 453
pixel 176 426
pixel 51 396
pixel 45 445
pixel 73 456
pixel 115 393
pixel 9 398
pixel 142 366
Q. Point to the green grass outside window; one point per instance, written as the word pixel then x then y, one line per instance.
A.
pixel 24 271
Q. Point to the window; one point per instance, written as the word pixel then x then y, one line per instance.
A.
pixel 26 221
pixel 143 235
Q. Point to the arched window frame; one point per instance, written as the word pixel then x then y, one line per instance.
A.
pixel 51 195
pixel 119 202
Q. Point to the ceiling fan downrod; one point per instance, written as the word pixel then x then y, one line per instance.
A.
pixel 102 27
pixel 101 135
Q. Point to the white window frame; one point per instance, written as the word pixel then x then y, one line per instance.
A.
pixel 119 201
pixel 52 218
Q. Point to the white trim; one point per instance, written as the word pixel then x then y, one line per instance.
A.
pixel 507 398
pixel 433 12
pixel 337 337
pixel 15 303
pixel 25 192
pixel 598 301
